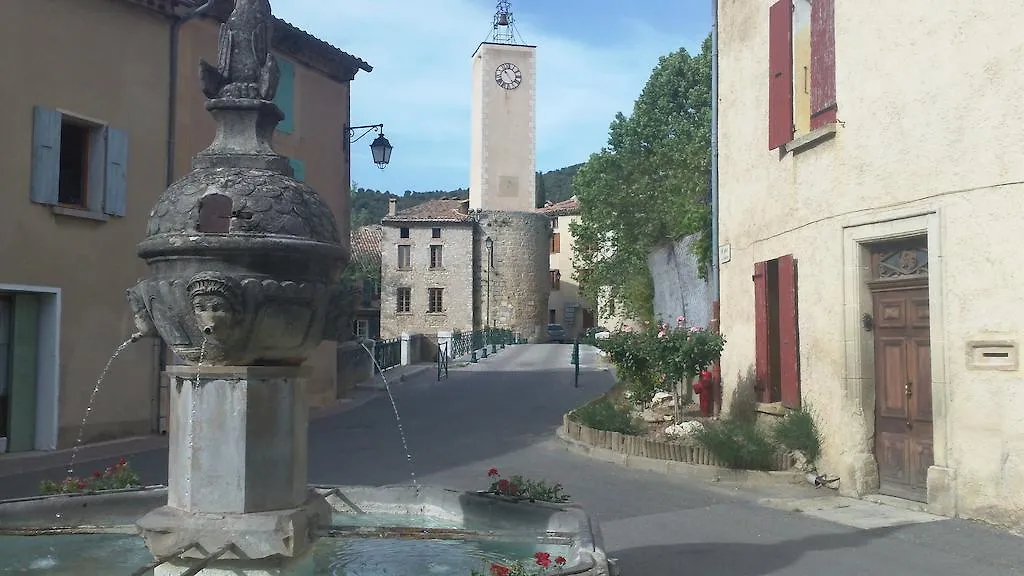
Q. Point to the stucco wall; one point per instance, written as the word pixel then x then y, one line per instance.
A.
pixel 320 112
pixel 71 55
pixel 678 288
pixel 519 280
pixel 455 276
pixel 569 289
pixel 929 129
pixel 503 131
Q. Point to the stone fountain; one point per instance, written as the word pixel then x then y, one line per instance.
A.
pixel 245 264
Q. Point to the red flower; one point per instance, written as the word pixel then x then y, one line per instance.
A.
pixel 543 559
pixel 560 561
pixel 499 570
pixel 97 474
pixel 491 473
pixel 503 485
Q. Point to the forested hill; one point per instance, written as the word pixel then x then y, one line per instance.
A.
pixel 370 206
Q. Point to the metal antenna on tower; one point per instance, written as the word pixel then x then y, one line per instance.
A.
pixel 504 31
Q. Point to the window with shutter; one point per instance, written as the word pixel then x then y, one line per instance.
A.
pixel 115 190
pixel 780 73
pixel 789 347
pixel 823 63
pixel 776 332
pixel 762 357
pixel 285 96
pixel 556 243
pixel 46 140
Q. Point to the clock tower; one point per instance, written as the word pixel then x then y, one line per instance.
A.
pixel 503 141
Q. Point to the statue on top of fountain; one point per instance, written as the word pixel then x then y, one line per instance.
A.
pixel 245 67
pixel 245 261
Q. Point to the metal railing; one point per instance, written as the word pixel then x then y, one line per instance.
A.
pixel 442 362
pixel 388 353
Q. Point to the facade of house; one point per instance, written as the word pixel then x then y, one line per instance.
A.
pixel 87 139
pixel 566 305
pixel 868 237
pixel 429 269
pixel 366 264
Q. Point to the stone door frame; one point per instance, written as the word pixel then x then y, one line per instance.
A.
pixel 859 467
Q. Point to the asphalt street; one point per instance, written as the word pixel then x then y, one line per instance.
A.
pixel 502 412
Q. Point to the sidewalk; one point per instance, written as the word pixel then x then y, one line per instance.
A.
pixel 396 375
pixel 27 462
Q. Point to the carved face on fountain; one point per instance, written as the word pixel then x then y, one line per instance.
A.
pixel 244 260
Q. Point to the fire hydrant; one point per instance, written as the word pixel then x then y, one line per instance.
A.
pixel 704 388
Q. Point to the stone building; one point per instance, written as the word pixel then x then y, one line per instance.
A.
pixel 365 263
pixel 871 272
pixel 103 118
pixel 566 305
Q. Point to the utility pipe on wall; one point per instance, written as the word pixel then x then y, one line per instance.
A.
pixel 715 264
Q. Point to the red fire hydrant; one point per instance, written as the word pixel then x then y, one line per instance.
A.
pixel 704 387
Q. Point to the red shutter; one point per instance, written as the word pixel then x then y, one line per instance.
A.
pixel 780 73
pixel 823 63
pixel 762 357
pixel 789 334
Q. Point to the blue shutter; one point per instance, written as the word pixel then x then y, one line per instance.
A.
pixel 115 192
pixel 97 169
pixel 45 156
pixel 285 97
pixel 298 169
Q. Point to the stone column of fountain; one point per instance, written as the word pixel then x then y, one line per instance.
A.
pixel 244 264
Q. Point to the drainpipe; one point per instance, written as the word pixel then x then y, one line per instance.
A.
pixel 172 121
pixel 715 264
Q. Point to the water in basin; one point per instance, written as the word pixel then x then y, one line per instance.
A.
pixel 110 554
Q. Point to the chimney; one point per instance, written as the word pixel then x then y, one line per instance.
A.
pixel 464 206
pixel 392 206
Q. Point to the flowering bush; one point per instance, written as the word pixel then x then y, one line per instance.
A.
pixel 661 357
pixel 116 477
pixel 519 487
pixel 542 560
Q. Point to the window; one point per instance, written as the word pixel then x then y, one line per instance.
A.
pixel 556 279
pixel 78 164
pixel 285 96
pixel 403 232
pixel 801 57
pixel 435 300
pixel 435 257
pixel 361 328
pixel 403 300
pixel 435 232
pixel 554 223
pixel 777 358
pixel 404 257
pixel 556 243
pixel 552 316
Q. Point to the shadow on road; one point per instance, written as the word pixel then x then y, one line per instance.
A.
pixel 739 558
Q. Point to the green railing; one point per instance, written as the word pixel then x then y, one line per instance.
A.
pixel 442 362
pixel 388 353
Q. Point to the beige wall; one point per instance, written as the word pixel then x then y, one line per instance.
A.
pixel 104 60
pixel 321 111
pixel 503 132
pixel 930 143
pixel 569 289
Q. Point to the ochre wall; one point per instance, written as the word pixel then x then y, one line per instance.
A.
pixel 104 60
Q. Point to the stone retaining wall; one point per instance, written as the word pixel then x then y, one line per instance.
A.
pixel 686 452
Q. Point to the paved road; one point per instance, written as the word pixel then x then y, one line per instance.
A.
pixel 502 412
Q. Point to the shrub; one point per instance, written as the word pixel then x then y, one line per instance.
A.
pixel 116 477
pixel 738 444
pixel 603 414
pixel 797 431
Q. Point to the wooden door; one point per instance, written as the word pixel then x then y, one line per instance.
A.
pixel 903 386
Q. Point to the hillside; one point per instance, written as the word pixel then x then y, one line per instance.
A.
pixel 369 206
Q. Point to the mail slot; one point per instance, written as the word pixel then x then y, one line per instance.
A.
pixel 989 355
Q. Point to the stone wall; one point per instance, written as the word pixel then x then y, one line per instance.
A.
pixel 455 275
pixel 519 280
pixel 678 289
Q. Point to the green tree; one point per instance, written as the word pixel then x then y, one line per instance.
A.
pixel 649 186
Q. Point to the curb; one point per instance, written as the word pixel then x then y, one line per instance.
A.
pixel 684 469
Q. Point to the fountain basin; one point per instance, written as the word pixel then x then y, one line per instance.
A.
pixel 373 530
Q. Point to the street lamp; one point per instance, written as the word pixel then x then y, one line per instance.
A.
pixel 489 243
pixel 380 148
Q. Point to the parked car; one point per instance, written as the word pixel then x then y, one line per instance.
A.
pixel 556 333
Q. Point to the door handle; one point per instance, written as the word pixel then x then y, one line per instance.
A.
pixel 909 389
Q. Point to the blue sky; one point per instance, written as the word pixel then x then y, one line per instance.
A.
pixel 593 58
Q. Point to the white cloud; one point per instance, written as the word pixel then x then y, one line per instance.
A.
pixel 420 85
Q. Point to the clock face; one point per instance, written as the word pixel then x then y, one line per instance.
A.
pixel 508 76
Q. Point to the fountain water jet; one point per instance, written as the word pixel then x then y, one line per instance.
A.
pixel 245 264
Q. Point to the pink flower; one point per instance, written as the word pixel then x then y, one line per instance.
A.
pixel 680 319
pixel 627 329
pixel 661 334
pixel 694 329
